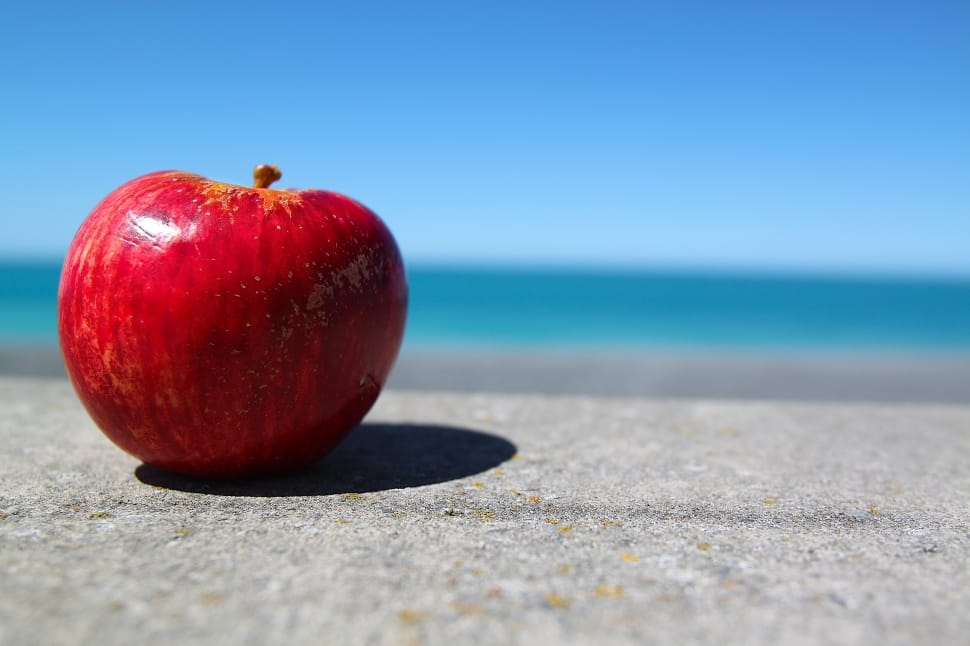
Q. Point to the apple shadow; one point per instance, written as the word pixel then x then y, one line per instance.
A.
pixel 374 457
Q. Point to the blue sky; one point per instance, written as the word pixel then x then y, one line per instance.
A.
pixel 811 135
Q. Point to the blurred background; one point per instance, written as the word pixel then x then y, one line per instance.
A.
pixel 746 199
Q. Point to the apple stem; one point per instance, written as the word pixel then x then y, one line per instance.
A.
pixel 265 174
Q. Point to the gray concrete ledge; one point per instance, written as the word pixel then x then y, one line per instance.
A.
pixel 457 518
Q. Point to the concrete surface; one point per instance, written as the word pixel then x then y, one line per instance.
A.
pixel 451 519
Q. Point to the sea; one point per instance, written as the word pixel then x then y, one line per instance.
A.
pixel 521 308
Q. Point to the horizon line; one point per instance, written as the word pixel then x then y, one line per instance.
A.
pixel 630 267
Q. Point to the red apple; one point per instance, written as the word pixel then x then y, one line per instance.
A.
pixel 223 331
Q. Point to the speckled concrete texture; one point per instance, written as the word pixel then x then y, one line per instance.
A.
pixel 501 519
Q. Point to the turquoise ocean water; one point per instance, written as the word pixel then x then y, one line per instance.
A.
pixel 453 307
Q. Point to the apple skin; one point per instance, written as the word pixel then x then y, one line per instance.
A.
pixel 224 331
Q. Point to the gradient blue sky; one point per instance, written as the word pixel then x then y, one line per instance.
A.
pixel 796 135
